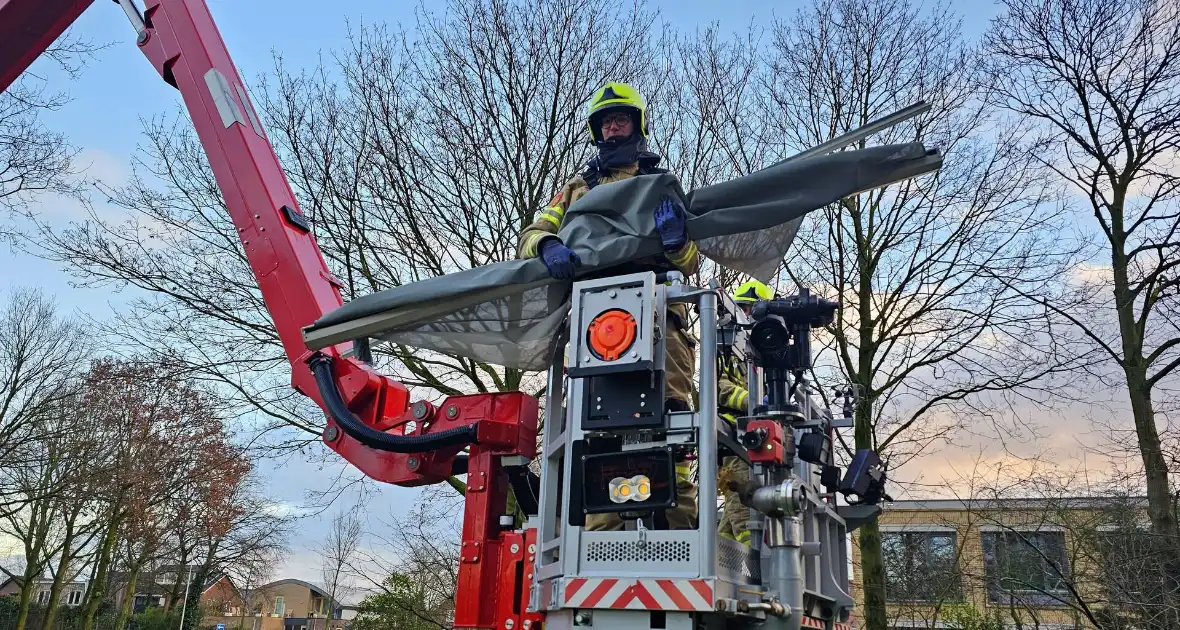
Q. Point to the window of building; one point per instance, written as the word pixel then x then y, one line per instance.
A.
pixel 279 605
pixel 1135 580
pixel 42 597
pixel 1025 566
pixel 74 598
pixel 921 566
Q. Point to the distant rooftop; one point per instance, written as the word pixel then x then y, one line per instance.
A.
pixel 1013 504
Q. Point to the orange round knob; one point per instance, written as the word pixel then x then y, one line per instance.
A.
pixel 611 334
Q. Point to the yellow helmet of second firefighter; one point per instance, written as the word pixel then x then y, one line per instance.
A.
pixel 616 96
pixel 752 291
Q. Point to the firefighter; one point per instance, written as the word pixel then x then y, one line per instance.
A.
pixel 618 125
pixel 732 399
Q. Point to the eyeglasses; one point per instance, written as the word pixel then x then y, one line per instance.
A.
pixel 616 120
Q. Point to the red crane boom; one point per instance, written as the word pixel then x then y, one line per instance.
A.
pixel 369 413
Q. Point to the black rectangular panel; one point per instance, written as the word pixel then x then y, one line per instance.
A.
pixel 599 470
pixel 624 401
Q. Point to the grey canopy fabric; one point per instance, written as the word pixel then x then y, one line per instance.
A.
pixel 508 313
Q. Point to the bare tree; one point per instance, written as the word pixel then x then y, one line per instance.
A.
pixel 423 544
pixel 221 521
pixel 1060 539
pixel 1102 83
pixel 163 432
pixel 74 508
pixel 709 115
pixel 34 159
pixel 250 572
pixel 338 552
pixel 39 354
pixel 413 154
pixel 933 275
pixel 40 482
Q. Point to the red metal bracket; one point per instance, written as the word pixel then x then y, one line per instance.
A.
pixel 771 451
pixel 517 555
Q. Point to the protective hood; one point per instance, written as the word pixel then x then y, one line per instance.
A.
pixel 508 313
pixel 615 154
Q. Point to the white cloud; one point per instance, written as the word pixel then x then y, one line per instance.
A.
pixel 284 509
pixel 97 164
pixel 1091 274
pixel 90 165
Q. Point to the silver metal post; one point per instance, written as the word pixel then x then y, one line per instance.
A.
pixel 707 413
pixel 862 132
pixel 786 540
pixel 134 15
pixel 184 606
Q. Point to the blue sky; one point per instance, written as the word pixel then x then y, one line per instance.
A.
pixel 119 89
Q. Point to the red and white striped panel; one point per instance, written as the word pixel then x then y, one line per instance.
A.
pixel 637 594
pixel 820 624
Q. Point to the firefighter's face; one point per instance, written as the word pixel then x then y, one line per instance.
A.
pixel 617 125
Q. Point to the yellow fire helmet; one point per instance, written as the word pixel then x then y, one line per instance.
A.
pixel 616 96
pixel 753 291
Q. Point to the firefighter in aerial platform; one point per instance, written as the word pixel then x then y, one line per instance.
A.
pixel 617 120
pixel 732 400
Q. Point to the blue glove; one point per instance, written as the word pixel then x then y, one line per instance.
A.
pixel 670 220
pixel 559 259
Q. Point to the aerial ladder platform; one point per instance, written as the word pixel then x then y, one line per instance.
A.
pixel 609 446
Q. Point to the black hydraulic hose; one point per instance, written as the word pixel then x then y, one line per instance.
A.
pixel 321 367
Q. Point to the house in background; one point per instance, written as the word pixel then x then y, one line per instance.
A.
pixel 1053 564
pixel 71 593
pixel 288 604
pixel 281 605
pixel 160 587
pixel 152 589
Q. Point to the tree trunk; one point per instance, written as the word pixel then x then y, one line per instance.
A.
pixel 128 601
pixel 192 605
pixel 1159 496
pixel 177 591
pixel 26 598
pixel 63 565
pixel 96 590
pixel 34 546
pixel 872 568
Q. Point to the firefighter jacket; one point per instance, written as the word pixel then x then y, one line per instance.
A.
pixel 732 396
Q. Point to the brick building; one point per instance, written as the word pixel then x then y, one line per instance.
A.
pixel 1054 564
pixel 281 605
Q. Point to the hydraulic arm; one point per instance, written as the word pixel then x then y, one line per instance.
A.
pixel 371 423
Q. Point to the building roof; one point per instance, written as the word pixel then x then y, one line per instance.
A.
pixel 1024 503
pixel 312 587
pixel 147 577
pixel 43 580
